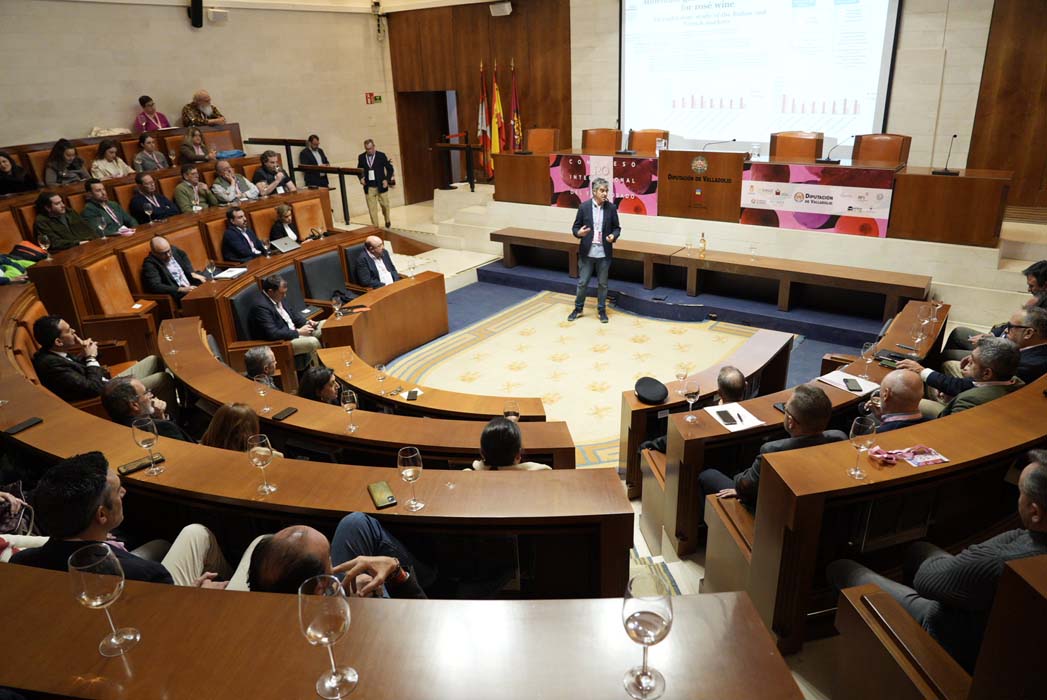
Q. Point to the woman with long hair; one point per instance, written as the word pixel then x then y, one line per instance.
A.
pixel 194 148
pixel 108 163
pixel 64 166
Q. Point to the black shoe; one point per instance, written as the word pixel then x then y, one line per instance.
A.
pixel 603 317
pixel 388 225
pixel 574 314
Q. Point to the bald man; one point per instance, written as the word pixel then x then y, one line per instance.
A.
pixel 900 394
pixel 168 270
pixel 371 560
pixel 374 267
pixel 200 112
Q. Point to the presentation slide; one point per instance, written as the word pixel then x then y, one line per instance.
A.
pixel 710 70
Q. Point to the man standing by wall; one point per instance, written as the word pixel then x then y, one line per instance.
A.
pixel 376 179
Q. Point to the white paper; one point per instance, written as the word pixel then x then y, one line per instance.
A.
pixel 836 377
pixel 743 418
pixel 230 273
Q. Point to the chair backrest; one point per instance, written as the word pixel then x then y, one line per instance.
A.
pixel 171 144
pixel 797 144
pixel 887 148
pixel 129 149
pixel 24 347
pixel 295 299
pixel 190 240
pixel 262 220
pixel 108 286
pixel 76 201
pixel 168 185
pixel 323 274
pixel 132 259
pixel 646 140
pixel 220 140
pixel 87 153
pixel 542 140
pixel 308 214
pixel 124 194
pixel 249 169
pixel 601 140
pixel 27 213
pixel 215 230
pixel 36 310
pixel 209 176
pixel 241 304
pixel 38 161
pixel 352 256
pixel 10 233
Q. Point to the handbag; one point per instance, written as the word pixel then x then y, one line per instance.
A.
pixel 21 523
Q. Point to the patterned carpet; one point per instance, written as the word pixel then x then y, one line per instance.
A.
pixel 578 369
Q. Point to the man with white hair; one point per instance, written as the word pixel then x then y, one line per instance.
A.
pixel 200 112
pixel 900 395
pixel 374 266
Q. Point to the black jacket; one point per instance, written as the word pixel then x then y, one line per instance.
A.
pixel 156 279
pixel 747 483
pixel 264 323
pixel 71 378
pixel 277 231
pixel 313 179
pixel 383 170
pixel 611 227
pixel 166 210
pixel 367 272
pixel 236 249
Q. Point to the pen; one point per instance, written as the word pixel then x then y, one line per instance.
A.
pixel 740 418
pixel 906 347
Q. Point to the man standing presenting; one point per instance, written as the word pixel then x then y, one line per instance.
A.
pixel 597 226
pixel 377 178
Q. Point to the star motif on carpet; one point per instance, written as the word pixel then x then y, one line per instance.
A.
pixel 510 387
pixel 526 331
pixel 677 330
pixel 641 356
pixel 600 366
pixel 550 399
pixel 556 376
pixel 517 366
pixel 522 348
pixel 602 347
pixel 599 387
pixel 469 377
pixel 639 339
pixel 681 347
pixel 565 324
pixel 599 411
pixel 717 338
pixel 560 357
pixel 685 367
pixel 564 339
pixel 479 356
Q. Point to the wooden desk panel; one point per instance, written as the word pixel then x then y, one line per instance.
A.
pixel 523 178
pixel 966 209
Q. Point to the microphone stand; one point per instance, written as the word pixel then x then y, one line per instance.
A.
pixel 945 170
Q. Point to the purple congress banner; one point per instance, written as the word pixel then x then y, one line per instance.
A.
pixel 634 181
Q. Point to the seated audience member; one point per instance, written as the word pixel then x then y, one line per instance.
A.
pixel 194 149
pixel 230 427
pixel 260 362
pixel 314 155
pixel 149 157
pixel 64 166
pixel 200 112
pixel 13 177
pixel 147 193
pixel 126 399
pixel 13 265
pixel 230 186
pixel 168 270
pixel 501 447
pixel 284 226
pixel 1028 330
pixel 149 119
pixel 1036 282
pixel 239 243
pixel 987 375
pixel 374 266
pixel 951 595
pixel 271 178
pixel 76 378
pixel 79 501
pixel 281 563
pixel 319 384
pixel 191 194
pixel 63 226
pixel 730 388
pixel 108 163
pixel 105 215
pixel 900 395
pixel 807 414
pixel 270 320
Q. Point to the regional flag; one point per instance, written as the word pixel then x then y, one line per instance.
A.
pixel 483 127
pixel 497 120
pixel 515 121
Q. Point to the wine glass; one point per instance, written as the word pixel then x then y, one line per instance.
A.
pixel 347 358
pixel 262 386
pixel 323 613
pixel 349 405
pixel 681 376
pixel 210 270
pixel 647 614
pixel 925 315
pixel 44 241
pixel 691 391
pixel 512 410
pixel 265 246
pixel 380 376
pixel 168 331
pixel 936 305
pixel 863 432
pixel 98 580
pixel 260 453
pixel 868 353
pixel 147 209
pixel 101 229
pixel 336 304
pixel 916 333
pixel 409 462
pixel 143 430
pixel 752 252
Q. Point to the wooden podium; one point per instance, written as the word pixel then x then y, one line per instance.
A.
pixel 700 185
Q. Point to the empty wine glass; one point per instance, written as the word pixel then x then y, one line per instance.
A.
pixel 101 229
pixel 98 580
pixel 147 209
pixel 681 376
pixel 647 614
pixel 868 354
pixel 691 391
pixel 44 241
pixel 262 386
pixel 936 305
pixel 863 432
pixel 925 315
pixel 265 246
pixel 323 613
pixel 512 410
pixel 143 430
pixel 409 462
pixel 916 333
pixel 349 405
pixel 336 304
pixel 168 331
pixel 347 359
pixel 210 270
pixel 260 454
pixel 379 370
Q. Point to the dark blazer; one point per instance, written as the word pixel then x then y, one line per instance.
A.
pixel 156 279
pixel 164 428
pixel 366 272
pixel 167 207
pixel 71 378
pixel 313 179
pixel 187 154
pixel 1033 364
pixel 896 424
pixel 277 231
pixel 264 323
pixel 611 227
pixel 747 483
pixel 18 180
pixel 383 170
pixel 236 249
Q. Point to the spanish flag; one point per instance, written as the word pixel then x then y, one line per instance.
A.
pixel 483 127
pixel 497 120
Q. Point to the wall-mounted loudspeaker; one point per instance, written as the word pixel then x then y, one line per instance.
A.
pixel 196 13
pixel 500 9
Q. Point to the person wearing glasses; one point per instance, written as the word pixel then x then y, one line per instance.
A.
pixel 149 119
pixel 149 156
pixel 168 270
pixel 126 399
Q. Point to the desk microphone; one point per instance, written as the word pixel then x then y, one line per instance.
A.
pixel 717 143
pixel 828 159
pixel 945 170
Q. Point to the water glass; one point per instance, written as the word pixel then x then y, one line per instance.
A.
pixel 347 359
pixel 380 375
pixel 262 386
pixel 98 580
pixel 349 405
pixel 143 430
pixel 868 354
pixel 323 614
pixel 691 392
pixel 647 615
pixel 863 432
pixel 409 462
pixel 260 454
pixel 265 246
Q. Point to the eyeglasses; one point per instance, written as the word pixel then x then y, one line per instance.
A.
pixel 1009 326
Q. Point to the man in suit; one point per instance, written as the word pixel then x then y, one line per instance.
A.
pixel 270 320
pixel 148 193
pixel 167 270
pixel 1028 330
pixel 807 414
pixel 63 226
pixel 104 215
pixel 988 374
pixel 374 266
pixel 239 243
pixel 377 178
pixel 314 155
pixel 126 399
pixel 77 378
pixel 900 394
pixel 597 227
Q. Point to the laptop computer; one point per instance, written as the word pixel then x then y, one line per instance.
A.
pixel 285 244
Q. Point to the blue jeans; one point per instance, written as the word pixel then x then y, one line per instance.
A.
pixel 358 534
pixel 585 273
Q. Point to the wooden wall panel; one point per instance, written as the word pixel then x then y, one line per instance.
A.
pixel 1010 124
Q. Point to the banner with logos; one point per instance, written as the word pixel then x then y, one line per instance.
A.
pixel 633 181
pixel 830 198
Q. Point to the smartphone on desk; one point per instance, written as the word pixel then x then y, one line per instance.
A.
pixel 779 406
pixel 726 417
pixel 852 384
pixel 381 494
